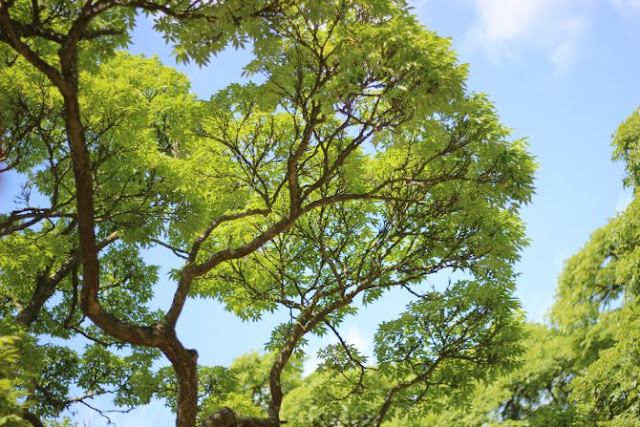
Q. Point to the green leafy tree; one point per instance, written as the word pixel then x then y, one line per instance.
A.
pixel 426 360
pixel 9 381
pixel 360 164
pixel 536 393
pixel 597 306
pixel 582 368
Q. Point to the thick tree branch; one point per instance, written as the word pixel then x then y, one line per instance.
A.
pixel 10 35
pixel 31 418
pixel 46 284
pixel 226 417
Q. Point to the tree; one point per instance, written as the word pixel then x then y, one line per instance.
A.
pixel 537 393
pixel 428 358
pixel 361 163
pixel 598 305
pixel 9 394
pixel 581 368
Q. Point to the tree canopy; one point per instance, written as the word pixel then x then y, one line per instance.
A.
pixel 355 162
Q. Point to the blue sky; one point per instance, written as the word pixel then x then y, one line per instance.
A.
pixel 562 73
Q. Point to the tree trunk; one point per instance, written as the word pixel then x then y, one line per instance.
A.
pixel 185 363
pixel 226 417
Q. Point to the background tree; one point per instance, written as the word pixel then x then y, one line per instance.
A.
pixel 427 359
pixel 582 368
pixel 9 380
pixel 361 163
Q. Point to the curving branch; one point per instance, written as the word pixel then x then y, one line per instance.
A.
pixel 47 282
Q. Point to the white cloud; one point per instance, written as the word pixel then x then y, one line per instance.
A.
pixel 627 5
pixel 506 28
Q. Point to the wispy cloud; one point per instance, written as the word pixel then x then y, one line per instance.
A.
pixel 627 5
pixel 507 28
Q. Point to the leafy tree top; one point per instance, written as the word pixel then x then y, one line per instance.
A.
pixel 361 163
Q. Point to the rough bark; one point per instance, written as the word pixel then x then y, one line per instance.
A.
pixel 226 417
pixel 185 363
